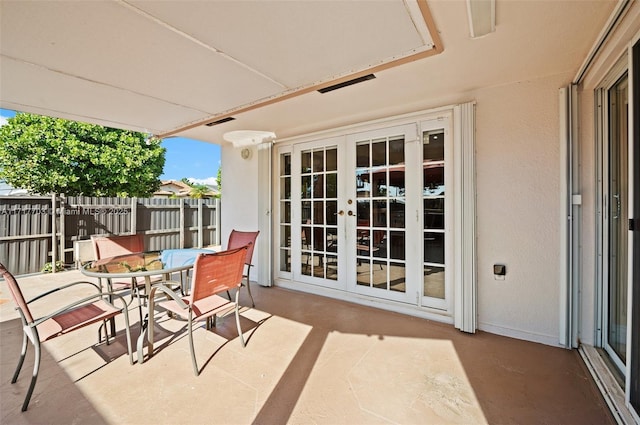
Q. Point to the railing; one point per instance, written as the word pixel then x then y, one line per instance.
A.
pixel 35 230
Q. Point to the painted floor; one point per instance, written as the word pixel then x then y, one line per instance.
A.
pixel 308 360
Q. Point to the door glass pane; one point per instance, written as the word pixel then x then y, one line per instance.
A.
pixel 396 245
pixel 318 161
pixel 285 164
pixel 433 145
pixel 433 179
pixel 379 177
pixel 305 162
pixel 380 186
pixel 363 183
pixel 618 213
pixel 285 212
pixel 318 212
pixel 434 247
pixel 362 156
pixel 332 212
pixel 434 282
pixel 332 159
pixel 396 151
pixel 433 202
pixel 380 213
pixel 397 277
pixel 433 209
pixel 379 153
pixel 319 187
pixel 332 185
pixel 305 192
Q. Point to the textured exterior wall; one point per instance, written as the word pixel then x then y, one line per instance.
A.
pixel 239 206
pixel 518 195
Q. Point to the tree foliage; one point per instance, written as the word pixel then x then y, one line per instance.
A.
pixel 219 181
pixel 198 191
pixel 51 155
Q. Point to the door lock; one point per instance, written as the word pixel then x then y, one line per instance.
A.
pixel 341 212
pixel 350 212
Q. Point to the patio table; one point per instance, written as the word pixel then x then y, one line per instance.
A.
pixel 145 264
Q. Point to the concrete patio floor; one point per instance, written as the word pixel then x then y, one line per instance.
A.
pixel 308 360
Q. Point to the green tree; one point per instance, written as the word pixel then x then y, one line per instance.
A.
pixel 198 191
pixel 51 155
pixel 219 181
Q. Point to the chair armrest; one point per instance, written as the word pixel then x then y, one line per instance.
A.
pixel 60 288
pixel 167 291
pixel 84 300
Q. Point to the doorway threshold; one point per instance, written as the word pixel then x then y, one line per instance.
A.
pixel 607 384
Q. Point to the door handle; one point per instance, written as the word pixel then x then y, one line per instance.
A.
pixel 341 212
pixel 350 213
pixel 617 213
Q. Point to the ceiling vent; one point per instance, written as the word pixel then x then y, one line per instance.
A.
pixel 221 121
pixel 347 83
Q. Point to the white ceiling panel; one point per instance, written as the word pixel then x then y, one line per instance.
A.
pixel 30 88
pixel 109 43
pixel 299 42
pixel 170 66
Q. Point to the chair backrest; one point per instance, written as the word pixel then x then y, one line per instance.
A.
pixel 217 272
pixel 16 293
pixel 110 246
pixel 239 239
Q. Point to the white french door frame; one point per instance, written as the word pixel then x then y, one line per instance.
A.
pixel 441 123
pixel 296 217
pixel 460 307
pixel 411 295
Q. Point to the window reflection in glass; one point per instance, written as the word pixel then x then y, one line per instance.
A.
pixel 379 153
pixel 434 247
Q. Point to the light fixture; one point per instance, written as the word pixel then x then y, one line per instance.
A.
pixel 242 138
pixel 482 17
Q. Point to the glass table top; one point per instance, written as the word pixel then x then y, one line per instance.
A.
pixel 144 263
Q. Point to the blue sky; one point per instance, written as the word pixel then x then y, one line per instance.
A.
pixel 189 158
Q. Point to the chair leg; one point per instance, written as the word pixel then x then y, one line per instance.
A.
pixel 36 368
pixel 253 304
pixel 238 320
pixel 23 352
pixel 191 346
pixel 127 330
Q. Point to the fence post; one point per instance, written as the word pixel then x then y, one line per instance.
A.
pixel 54 244
pixel 181 223
pixel 62 241
pixel 134 215
pixel 200 223
pixel 217 222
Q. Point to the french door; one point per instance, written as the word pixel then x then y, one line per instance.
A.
pixel 366 213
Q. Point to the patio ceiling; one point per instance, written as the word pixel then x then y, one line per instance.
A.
pixel 170 67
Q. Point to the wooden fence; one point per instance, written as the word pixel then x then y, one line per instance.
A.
pixel 34 229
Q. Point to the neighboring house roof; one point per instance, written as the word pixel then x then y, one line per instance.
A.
pixel 7 190
pixel 177 188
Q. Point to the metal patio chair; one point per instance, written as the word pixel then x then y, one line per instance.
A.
pixel 77 314
pixel 239 239
pixel 110 246
pixel 213 274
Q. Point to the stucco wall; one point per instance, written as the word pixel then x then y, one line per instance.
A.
pixel 239 196
pixel 518 184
